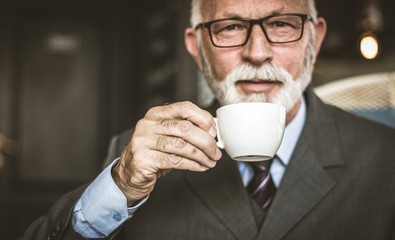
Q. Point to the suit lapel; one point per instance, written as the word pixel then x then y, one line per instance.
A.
pixel 305 182
pixel 223 192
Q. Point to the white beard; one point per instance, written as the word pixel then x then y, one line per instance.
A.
pixel 289 94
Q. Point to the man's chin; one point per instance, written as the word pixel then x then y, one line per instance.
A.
pixel 256 97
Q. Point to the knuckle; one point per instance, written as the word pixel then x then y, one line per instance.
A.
pixel 141 125
pixel 175 159
pixel 160 160
pixel 168 123
pixel 161 143
pixel 179 143
pixel 152 111
pixel 186 104
pixel 186 107
pixel 185 127
pixel 164 161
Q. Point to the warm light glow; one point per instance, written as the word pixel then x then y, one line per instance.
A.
pixel 369 47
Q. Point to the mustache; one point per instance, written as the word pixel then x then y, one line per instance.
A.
pixel 267 72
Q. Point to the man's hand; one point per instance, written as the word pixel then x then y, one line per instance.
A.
pixel 175 136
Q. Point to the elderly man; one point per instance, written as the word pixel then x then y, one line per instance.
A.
pixel 333 176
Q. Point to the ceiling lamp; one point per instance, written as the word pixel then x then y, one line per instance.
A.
pixel 369 46
pixel 373 22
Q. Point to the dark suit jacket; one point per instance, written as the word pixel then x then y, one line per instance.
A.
pixel 339 184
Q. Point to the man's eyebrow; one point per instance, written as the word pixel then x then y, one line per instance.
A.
pixel 236 15
pixel 231 15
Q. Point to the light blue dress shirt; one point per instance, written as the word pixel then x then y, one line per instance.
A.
pixel 102 208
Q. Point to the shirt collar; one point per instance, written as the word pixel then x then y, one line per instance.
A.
pixel 291 134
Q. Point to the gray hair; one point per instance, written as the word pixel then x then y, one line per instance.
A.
pixel 196 16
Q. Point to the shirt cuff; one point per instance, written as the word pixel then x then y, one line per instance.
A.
pixel 103 207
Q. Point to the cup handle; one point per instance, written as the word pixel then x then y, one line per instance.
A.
pixel 220 143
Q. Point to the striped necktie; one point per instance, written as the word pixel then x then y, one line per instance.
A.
pixel 261 187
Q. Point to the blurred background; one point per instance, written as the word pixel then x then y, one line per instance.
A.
pixel 73 73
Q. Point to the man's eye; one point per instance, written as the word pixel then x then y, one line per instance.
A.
pixel 280 24
pixel 231 27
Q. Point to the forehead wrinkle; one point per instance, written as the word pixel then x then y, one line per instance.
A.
pixel 216 9
pixel 280 6
pixel 208 8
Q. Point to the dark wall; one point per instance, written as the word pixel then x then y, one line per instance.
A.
pixel 73 73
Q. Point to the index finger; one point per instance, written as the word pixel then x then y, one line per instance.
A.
pixel 186 111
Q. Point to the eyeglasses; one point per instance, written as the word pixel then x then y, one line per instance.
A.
pixel 235 32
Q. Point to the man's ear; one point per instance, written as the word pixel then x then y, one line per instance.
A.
pixel 192 46
pixel 320 30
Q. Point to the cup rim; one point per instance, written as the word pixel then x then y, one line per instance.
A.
pixel 253 103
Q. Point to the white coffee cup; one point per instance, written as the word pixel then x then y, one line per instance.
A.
pixel 250 131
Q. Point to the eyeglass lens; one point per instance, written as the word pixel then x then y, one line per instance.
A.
pixel 279 29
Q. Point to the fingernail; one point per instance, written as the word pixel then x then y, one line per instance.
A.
pixel 218 153
pixel 214 163
pixel 212 132
pixel 205 168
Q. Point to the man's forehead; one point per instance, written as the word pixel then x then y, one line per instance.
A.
pixel 214 9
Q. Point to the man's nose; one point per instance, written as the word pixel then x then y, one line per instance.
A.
pixel 258 49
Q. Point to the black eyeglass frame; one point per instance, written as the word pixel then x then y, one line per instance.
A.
pixel 304 17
